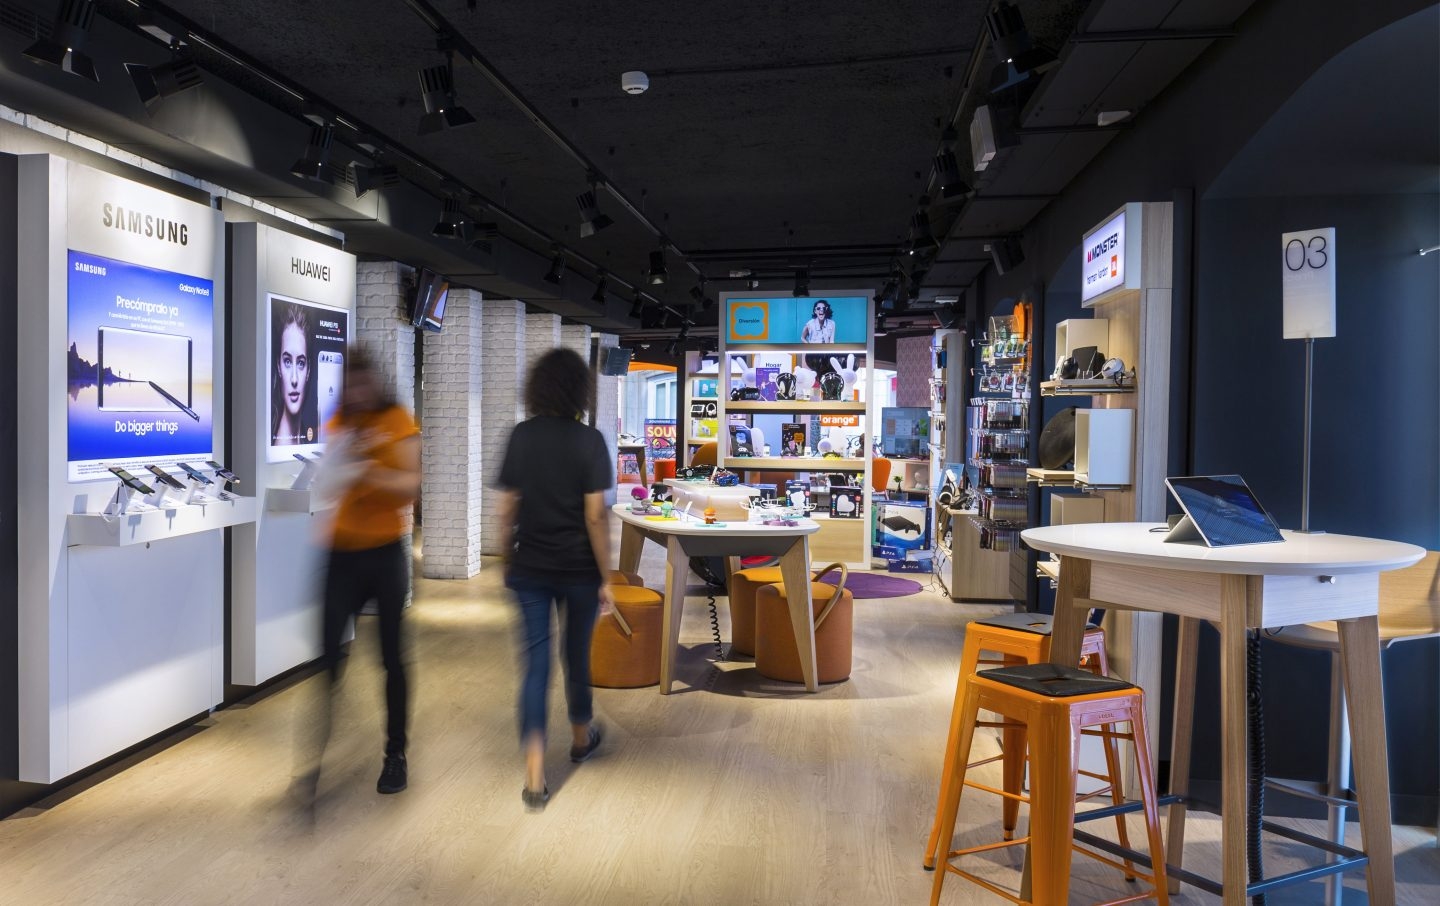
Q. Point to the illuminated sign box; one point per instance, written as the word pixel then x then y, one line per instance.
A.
pixel 1110 256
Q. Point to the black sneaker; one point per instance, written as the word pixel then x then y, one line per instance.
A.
pixel 535 800
pixel 393 775
pixel 581 753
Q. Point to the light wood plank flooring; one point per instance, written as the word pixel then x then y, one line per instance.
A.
pixel 735 790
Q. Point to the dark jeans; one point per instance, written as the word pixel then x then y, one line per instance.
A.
pixel 577 605
pixel 351 579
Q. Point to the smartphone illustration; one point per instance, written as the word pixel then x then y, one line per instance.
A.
pixel 130 481
pixel 165 477
pixel 221 472
pixel 143 371
pixel 194 473
pixel 329 384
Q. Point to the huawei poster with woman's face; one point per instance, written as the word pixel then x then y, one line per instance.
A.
pixel 307 369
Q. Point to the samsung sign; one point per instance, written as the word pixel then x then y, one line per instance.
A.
pixel 1104 265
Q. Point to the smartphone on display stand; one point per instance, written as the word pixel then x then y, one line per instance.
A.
pixel 130 481
pixel 195 474
pixel 221 472
pixel 165 478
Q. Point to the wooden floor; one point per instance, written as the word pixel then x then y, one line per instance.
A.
pixel 735 790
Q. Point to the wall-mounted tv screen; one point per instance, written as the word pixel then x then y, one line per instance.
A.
pixel 905 432
pixel 615 361
pixel 427 306
pixel 786 320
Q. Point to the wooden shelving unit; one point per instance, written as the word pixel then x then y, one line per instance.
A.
pixel 784 406
pixel 795 463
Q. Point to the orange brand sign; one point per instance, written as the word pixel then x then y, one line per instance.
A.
pixel 840 421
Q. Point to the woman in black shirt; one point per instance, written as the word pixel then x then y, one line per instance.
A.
pixel 552 511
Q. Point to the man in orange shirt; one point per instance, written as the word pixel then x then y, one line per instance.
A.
pixel 373 461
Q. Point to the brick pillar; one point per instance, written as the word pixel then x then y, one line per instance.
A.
pixel 380 327
pixel 542 334
pixel 453 474
pixel 503 349
pixel 607 404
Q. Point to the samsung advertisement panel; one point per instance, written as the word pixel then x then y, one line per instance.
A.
pixel 139 366
pixel 790 321
pixel 307 346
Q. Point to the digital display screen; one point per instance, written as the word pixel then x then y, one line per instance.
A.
pixel 787 320
pixel 1224 510
pixel 307 373
pixel 905 432
pixel 139 365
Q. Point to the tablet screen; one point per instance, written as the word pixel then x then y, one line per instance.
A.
pixel 1224 509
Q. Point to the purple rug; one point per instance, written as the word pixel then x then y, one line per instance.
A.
pixel 870 585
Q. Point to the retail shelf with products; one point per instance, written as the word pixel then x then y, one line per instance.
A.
pixel 795 463
pixel 1085 387
pixel 784 406
pixel 149 525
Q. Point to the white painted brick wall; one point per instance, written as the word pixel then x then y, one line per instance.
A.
pixel 380 327
pixel 542 334
pixel 504 353
pixel 453 465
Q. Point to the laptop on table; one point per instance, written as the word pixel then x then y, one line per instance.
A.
pixel 1220 511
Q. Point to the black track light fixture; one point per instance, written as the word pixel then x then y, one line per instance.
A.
pixel 437 92
pixel 601 285
pixel 592 220
pixel 556 274
pixel 453 222
pixel 921 239
pixel 802 283
pixel 753 283
pixel 657 275
pixel 672 347
pixel 947 172
pixel 697 292
pixel 314 163
pixel 1019 59
pixel 637 307
pixel 64 48
pixel 379 176
pixel 156 83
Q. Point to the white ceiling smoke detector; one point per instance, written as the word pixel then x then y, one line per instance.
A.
pixel 634 81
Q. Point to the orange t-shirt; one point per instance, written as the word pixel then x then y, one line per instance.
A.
pixel 367 517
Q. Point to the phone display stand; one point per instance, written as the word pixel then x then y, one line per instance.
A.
pixel 156 498
pixel 120 501
pixel 305 477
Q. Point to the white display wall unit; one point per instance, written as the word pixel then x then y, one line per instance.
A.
pixel 1103 442
pixel 277 280
pixel 120 361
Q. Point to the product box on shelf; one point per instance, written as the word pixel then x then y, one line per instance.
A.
pixel 923 564
pixel 765 381
pixel 901 525
pixel 846 503
pixel 792 439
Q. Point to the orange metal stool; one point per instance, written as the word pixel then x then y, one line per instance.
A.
pixel 625 649
pixel 1020 638
pixel 1053 705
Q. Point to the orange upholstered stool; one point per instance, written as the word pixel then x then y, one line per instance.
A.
pixel 776 653
pixel 625 650
pixel 744 583
pixel 1020 638
pixel 617 577
pixel 1053 705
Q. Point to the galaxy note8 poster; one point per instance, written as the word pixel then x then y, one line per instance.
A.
pixel 138 366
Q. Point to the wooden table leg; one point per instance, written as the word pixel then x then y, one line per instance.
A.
pixel 795 570
pixel 1072 605
pixel 1234 739
pixel 631 542
pixel 677 570
pixel 1186 658
pixel 1364 693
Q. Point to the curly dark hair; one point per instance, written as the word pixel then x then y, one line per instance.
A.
pixel 559 385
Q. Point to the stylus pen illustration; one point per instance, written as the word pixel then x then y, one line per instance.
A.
pixel 178 405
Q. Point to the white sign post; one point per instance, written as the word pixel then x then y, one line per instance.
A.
pixel 1308 300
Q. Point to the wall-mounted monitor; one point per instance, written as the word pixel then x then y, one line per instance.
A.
pixel 615 361
pixel 427 305
pixel 905 432
pixel 794 321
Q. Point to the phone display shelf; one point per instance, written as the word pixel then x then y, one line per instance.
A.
pixel 290 500
pixel 157 524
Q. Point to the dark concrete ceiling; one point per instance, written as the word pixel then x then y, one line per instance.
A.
pixel 774 136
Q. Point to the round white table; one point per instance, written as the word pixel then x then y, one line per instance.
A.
pixel 690 537
pixel 1305 578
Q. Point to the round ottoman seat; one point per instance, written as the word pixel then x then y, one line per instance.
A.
pixel 618 577
pixel 625 650
pixel 777 655
pixel 744 583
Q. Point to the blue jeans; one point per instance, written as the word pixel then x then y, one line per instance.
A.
pixel 577 606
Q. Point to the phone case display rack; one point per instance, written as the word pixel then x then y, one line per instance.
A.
pixel 948 350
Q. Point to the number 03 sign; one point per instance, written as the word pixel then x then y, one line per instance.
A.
pixel 1308 283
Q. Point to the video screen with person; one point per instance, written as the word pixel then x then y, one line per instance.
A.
pixel 306 373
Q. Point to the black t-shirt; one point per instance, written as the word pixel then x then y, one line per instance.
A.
pixel 553 463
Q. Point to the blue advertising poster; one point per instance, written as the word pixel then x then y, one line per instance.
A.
pixel 790 321
pixel 139 366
